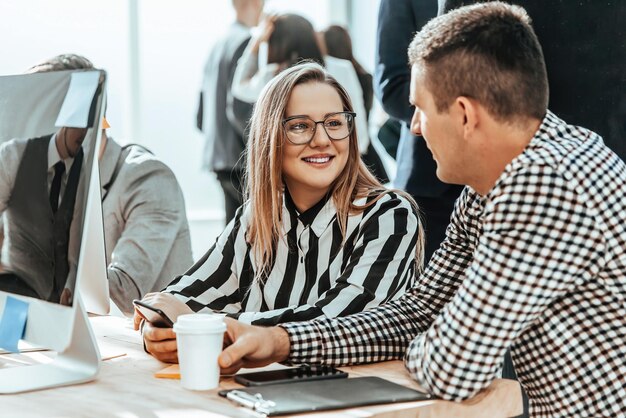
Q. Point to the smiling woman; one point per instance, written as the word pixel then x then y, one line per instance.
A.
pixel 314 158
pixel 318 236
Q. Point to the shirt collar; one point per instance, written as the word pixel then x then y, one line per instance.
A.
pixel 54 157
pixel 318 217
pixel 550 126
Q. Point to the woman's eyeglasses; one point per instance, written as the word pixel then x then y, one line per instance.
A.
pixel 300 130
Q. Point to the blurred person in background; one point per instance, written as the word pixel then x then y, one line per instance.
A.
pixel 285 40
pixel 221 117
pixel 337 43
pixel 398 20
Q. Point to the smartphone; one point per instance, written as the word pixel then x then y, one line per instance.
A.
pixel 155 316
pixel 295 374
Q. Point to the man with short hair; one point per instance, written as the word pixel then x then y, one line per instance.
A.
pixel 221 117
pixel 586 76
pixel 535 254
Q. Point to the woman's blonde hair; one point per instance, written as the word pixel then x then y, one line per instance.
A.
pixel 264 178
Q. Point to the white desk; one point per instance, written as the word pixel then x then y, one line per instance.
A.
pixel 126 388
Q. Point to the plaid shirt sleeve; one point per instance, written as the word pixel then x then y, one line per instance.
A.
pixel 384 333
pixel 538 238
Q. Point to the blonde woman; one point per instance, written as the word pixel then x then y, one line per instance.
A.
pixel 318 235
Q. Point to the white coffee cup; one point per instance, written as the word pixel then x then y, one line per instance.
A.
pixel 199 339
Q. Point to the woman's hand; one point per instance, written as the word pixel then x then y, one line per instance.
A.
pixel 168 303
pixel 266 28
pixel 161 342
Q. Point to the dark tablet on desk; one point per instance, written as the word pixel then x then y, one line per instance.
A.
pixel 309 396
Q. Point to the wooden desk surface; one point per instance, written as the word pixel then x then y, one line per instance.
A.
pixel 126 388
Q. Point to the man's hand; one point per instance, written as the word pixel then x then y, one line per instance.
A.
pixel 250 346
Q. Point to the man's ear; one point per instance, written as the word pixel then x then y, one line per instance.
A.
pixel 468 112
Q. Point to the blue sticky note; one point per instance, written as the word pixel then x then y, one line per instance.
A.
pixel 13 323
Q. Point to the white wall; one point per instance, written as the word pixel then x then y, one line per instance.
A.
pixel 362 21
pixel 34 30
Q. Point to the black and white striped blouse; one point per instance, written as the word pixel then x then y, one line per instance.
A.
pixel 313 275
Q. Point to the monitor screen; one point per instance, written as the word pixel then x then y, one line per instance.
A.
pixel 49 195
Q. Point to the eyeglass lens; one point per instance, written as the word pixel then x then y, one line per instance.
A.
pixel 301 130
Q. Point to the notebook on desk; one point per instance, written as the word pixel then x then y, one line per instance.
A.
pixel 320 395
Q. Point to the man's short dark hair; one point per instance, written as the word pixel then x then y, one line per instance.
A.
pixel 488 52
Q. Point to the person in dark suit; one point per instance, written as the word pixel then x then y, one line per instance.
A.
pixel 585 53
pixel 221 117
pixel 398 20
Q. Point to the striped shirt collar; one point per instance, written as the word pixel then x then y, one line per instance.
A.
pixel 318 217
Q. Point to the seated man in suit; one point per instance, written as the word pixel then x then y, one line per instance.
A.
pixel 146 231
pixel 39 214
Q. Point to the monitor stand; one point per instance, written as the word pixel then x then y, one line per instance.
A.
pixel 78 363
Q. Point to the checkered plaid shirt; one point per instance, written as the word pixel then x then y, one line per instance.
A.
pixel 538 265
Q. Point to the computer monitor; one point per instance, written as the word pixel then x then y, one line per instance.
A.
pixel 39 109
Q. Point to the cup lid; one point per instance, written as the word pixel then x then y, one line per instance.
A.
pixel 200 323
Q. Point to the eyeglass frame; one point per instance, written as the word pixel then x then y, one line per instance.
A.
pixel 352 114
